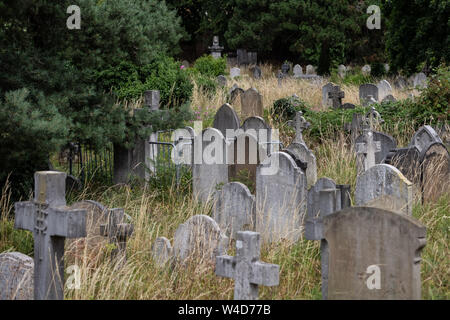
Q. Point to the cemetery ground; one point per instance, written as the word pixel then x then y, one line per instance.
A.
pixel 158 208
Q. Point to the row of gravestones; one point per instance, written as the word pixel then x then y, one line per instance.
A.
pixel 51 221
pixel 368 93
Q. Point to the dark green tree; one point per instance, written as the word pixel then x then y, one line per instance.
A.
pixel 418 34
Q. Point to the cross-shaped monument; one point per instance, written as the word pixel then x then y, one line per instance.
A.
pixel 118 232
pixel 372 118
pixel 245 268
pixel 336 95
pixel 48 217
pixel 365 151
pixel 300 125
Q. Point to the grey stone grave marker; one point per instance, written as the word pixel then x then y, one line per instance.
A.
pixel 226 118
pixel 235 91
pixel 342 70
pixel 199 238
pixel 336 96
pixel 234 209
pixel 366 70
pixel 118 232
pixel 280 198
pixel 210 163
pixel 366 90
pixel 16 276
pixel 251 104
pixel 235 72
pixel 310 70
pixel 423 137
pixel 326 101
pixel 384 186
pixel 298 71
pixel 51 222
pixel 386 144
pixel 366 150
pixel 257 73
pixel 246 269
pixel 373 254
pixel 384 89
pixel 222 80
pixel 162 251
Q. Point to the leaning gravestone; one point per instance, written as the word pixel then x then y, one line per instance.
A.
pixel 389 98
pixel 326 89
pixel 280 198
pixel 384 186
pixel 210 163
pixel 235 91
pixel 366 90
pixel 302 153
pixel 435 168
pixel 423 137
pixel 384 89
pixel 407 161
pixel 199 238
pixel 298 71
pixel 162 251
pixel 235 72
pixel 374 254
pixel 246 269
pixel 226 118
pixel 386 143
pixel 48 217
pixel 16 276
pixel 234 209
pixel 251 104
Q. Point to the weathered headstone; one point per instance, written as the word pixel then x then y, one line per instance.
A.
pixel 400 83
pixel 280 198
pixel 384 185
pixel 251 104
pixel 152 99
pixel 386 143
pixel 234 209
pixel 366 70
pixel 423 137
pixel 51 222
pixel 366 90
pixel 310 70
pixel 252 57
pixel 342 70
pixel 365 151
pixel 16 276
pixel 324 198
pixel 389 98
pixel 226 118
pixel 373 254
pixel 118 232
pixel 162 251
pixel 199 238
pixel 222 80
pixel 420 80
pixel 235 91
pixel 384 89
pixel 326 89
pixel 235 72
pixel 407 161
pixel 210 163
pixel 435 168
pixel 246 269
pixel 285 67
pixel 301 152
pixel 348 106
pixel 336 96
pixel 298 71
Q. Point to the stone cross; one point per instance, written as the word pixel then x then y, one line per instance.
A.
pixel 367 150
pixel 373 117
pixel 51 222
pixel 216 50
pixel 336 95
pixel 300 125
pixel 118 232
pixel 245 268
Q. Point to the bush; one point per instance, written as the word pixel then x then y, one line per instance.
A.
pixel 377 69
pixel 284 109
pixel 208 66
pixel 163 74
